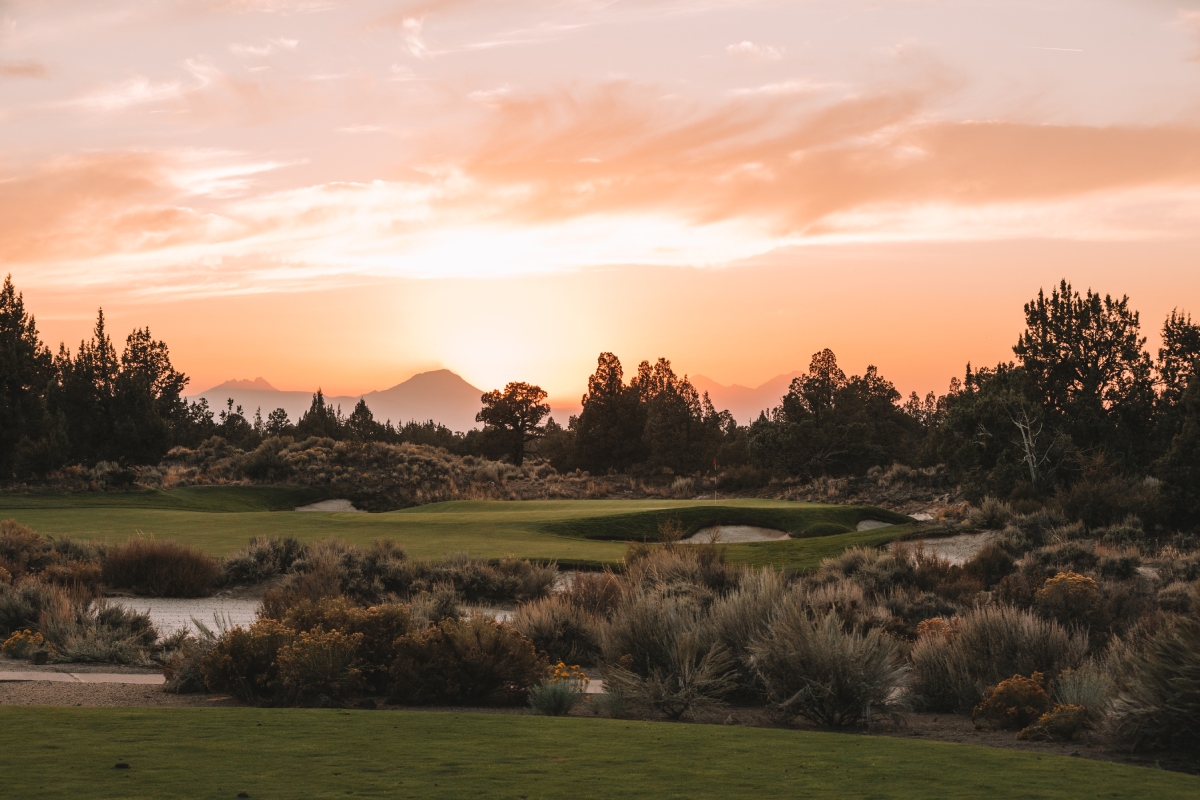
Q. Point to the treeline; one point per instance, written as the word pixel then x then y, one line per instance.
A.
pixel 1083 413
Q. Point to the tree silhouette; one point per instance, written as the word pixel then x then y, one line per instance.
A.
pixel 516 413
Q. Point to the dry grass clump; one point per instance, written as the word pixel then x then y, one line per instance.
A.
pixel 990 514
pixel 160 568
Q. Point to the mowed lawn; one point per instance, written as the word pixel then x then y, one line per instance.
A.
pixel 309 753
pixel 221 520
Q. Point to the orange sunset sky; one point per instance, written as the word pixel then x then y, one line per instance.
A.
pixel 345 193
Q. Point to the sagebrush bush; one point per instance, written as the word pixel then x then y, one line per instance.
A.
pixel 83 630
pixel 661 656
pixel 244 661
pixel 22 603
pixel 22 550
pixel 560 629
pixel 473 662
pixel 820 670
pixel 181 661
pixel 440 603
pixel 991 514
pixel 741 617
pixel 951 672
pixel 264 558
pixel 1014 703
pixel 595 592
pixel 553 698
pixel 1158 705
pixel 320 663
pixel 160 568
pixel 990 565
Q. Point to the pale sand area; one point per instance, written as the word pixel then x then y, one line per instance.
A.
pixel 332 506
pixel 872 524
pixel 955 549
pixel 728 534
pixel 169 614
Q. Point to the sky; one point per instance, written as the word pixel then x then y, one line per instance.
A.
pixel 346 193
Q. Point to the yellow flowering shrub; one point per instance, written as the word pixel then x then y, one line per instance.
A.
pixel 23 644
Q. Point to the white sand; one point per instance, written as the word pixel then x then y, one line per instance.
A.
pixel 169 614
pixel 872 524
pixel 334 506
pixel 957 549
pixel 727 534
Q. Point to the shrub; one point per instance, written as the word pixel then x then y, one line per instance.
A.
pixel 261 560
pixel 741 617
pixel 560 629
pixel 22 644
pixel 1122 566
pixel 1013 703
pixel 1158 706
pixel 951 672
pixel 22 550
pixel 320 663
pixel 244 660
pixel 1060 724
pixel 1176 597
pixel 553 699
pixel 181 663
pixel 658 653
pixel 318 584
pixel 819 670
pixel 990 565
pixel 22 603
pixel 558 694
pixel 1087 688
pixel 160 568
pixel 430 608
pixel 696 675
pixel 83 575
pixel 473 662
pixel 378 626
pixel 1069 597
pixel 595 592
pixel 96 631
pixel 991 514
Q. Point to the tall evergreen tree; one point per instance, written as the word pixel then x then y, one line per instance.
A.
pixel 26 367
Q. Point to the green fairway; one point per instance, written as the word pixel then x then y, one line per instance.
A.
pixel 220 520
pixel 294 753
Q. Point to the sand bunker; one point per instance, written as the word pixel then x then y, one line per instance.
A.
pixel 343 506
pixel 958 549
pixel 728 534
pixel 872 524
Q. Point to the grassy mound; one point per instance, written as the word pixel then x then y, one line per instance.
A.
pixel 221 752
pixel 801 520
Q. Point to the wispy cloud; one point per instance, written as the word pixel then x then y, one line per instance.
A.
pixel 272 46
pixel 755 52
pixel 23 69
pixel 798 86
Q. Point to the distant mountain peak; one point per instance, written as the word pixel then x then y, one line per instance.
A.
pixel 258 384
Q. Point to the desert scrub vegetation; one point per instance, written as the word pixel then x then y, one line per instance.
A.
pixel 160 568
pixel 71 625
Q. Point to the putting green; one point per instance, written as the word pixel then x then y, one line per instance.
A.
pixel 292 753
pixel 220 520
